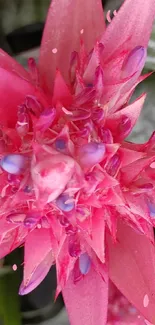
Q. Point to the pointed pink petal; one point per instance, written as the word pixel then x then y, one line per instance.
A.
pixel 86 301
pixel 115 124
pixel 38 259
pixel 131 27
pixel 61 92
pixel 8 63
pixel 13 91
pixel 64 263
pixel 12 237
pixel 67 21
pixel 98 237
pixel 132 269
pixel 131 172
pixel 129 156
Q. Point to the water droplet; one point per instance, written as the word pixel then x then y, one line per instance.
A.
pixel 81 31
pixel 13 163
pixel 91 154
pixel 54 51
pixel 14 267
pixel 65 203
pixel 84 263
pixel 146 301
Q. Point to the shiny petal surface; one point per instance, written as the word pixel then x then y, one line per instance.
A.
pixel 8 63
pixel 131 27
pixel 86 301
pixel 132 269
pixel 67 22
pixel 12 93
pixel 37 261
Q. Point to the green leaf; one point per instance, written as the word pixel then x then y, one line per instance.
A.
pixel 9 299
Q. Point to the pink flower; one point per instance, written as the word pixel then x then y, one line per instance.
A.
pixel 73 190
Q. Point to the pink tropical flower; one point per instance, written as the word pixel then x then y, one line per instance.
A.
pixel 73 190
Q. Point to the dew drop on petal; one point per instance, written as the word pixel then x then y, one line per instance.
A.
pixel 65 203
pixel 146 301
pixel 84 263
pixel 13 163
pixel 54 51
pixel 14 267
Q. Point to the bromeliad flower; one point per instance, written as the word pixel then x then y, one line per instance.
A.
pixel 73 190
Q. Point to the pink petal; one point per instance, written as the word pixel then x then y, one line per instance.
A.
pixel 38 259
pixel 132 112
pixel 130 28
pixel 132 269
pixel 12 237
pixel 98 236
pixel 61 92
pixel 8 63
pixel 12 93
pixel 86 301
pixel 67 21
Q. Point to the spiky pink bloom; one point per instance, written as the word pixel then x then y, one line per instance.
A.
pixel 73 190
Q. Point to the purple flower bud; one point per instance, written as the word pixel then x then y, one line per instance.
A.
pixel 151 207
pixel 60 144
pixel 91 154
pixel 84 263
pixel 134 62
pixel 31 220
pixel 13 163
pixel 65 203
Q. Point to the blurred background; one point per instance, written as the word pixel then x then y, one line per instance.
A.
pixel 21 27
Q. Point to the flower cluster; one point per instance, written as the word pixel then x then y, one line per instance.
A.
pixel 73 190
